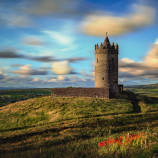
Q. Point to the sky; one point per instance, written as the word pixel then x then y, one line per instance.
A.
pixel 50 43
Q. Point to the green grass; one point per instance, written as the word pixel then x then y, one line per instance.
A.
pixel 14 95
pixel 25 91
pixel 26 113
pixel 73 127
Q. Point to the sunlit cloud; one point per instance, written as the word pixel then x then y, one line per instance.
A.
pixel 151 59
pixel 61 68
pixel 61 77
pixel 97 24
pixel 140 70
pixel 28 70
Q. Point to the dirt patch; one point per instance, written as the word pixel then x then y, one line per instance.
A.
pixel 53 115
pixel 70 131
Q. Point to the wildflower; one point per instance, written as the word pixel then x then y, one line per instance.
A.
pixel 101 144
pixel 128 139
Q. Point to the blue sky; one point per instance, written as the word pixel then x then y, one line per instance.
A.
pixel 50 43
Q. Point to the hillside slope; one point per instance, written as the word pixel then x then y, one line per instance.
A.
pixel 60 126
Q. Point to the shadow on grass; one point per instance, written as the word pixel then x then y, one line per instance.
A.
pixel 132 97
pixel 120 124
pixel 66 140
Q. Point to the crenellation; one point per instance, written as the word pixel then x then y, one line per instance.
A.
pixel 116 46
pixel 97 46
pixel 101 46
pixel 112 46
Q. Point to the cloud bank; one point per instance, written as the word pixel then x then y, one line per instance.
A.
pixel 47 7
pixel 10 54
pixel 15 20
pixel 148 68
pixel 27 70
pixel 99 23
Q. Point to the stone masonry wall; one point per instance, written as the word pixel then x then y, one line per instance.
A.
pixel 80 92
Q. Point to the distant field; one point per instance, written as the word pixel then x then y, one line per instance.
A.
pixel 149 86
pixel 13 95
pixel 73 127
pixel 147 92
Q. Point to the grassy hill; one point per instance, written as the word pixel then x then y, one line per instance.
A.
pixel 73 127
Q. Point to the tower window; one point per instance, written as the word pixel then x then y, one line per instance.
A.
pixel 103 78
pixel 110 67
pixel 112 60
pixel 97 60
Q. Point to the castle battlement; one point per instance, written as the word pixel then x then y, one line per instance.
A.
pixel 110 46
pixel 106 47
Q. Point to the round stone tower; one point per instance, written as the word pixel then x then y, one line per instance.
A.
pixel 106 66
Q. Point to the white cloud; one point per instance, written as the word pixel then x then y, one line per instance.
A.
pixel 126 60
pixel 50 82
pixel 59 79
pixel 53 80
pixel 59 37
pixel 27 70
pixel 61 68
pixel 99 23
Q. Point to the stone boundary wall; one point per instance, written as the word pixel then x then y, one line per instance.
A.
pixel 80 92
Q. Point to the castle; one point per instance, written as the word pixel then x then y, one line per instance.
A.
pixel 106 66
pixel 106 75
